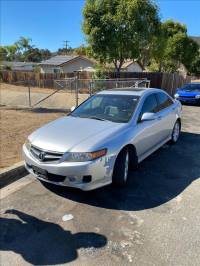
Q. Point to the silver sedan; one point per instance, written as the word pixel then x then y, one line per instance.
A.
pixel 105 137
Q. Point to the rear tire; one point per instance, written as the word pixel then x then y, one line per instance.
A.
pixel 121 168
pixel 175 132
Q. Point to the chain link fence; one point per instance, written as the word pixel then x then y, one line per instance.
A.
pixel 107 84
pixel 66 92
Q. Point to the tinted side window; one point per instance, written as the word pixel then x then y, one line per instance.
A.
pixel 163 100
pixel 149 106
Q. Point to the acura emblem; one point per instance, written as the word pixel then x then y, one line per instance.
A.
pixel 42 156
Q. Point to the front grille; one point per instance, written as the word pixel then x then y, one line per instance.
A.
pixel 45 156
pixel 189 97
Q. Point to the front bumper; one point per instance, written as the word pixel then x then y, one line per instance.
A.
pixel 100 171
pixel 188 100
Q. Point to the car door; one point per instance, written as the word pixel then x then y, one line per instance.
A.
pixel 147 135
pixel 166 113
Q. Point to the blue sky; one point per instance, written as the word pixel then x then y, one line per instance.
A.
pixel 50 22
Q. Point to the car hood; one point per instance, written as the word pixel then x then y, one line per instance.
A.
pixel 188 93
pixel 67 132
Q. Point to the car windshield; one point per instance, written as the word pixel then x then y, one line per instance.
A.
pixel 115 108
pixel 192 87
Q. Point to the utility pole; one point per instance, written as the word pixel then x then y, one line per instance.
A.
pixel 66 45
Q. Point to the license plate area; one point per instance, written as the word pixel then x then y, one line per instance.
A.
pixel 40 172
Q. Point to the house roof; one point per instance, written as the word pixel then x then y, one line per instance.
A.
pixel 196 39
pixel 129 62
pixel 17 64
pixel 59 60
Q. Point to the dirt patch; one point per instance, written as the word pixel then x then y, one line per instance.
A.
pixel 16 125
pixel 12 95
pixel 20 88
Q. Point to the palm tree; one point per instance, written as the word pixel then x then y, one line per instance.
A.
pixel 24 44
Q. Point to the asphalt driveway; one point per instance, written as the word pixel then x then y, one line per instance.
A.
pixel 155 220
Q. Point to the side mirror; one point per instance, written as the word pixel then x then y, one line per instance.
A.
pixel 148 117
pixel 72 108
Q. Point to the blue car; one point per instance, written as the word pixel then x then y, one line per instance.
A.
pixel 189 93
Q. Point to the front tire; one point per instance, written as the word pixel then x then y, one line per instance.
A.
pixel 176 132
pixel 121 168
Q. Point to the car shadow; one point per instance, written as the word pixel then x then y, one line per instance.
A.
pixel 190 104
pixel 49 110
pixel 158 179
pixel 43 243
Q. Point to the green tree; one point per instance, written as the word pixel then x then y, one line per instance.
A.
pixel 32 55
pixel 45 54
pixel 12 52
pixel 3 53
pixel 64 51
pixel 36 55
pixel 81 50
pixel 195 66
pixel 117 30
pixel 172 47
pixel 24 43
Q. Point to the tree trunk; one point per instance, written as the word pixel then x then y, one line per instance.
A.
pixel 118 67
pixel 160 67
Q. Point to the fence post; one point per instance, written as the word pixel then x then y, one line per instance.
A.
pixel 172 86
pixel 90 87
pixel 29 95
pixel 76 88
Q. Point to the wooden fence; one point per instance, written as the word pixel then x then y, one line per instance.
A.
pixel 167 81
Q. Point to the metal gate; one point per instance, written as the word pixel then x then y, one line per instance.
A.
pixel 80 89
pixel 107 84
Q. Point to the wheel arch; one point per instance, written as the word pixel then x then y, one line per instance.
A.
pixel 179 120
pixel 132 153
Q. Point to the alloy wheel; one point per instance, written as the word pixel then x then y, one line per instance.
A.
pixel 176 132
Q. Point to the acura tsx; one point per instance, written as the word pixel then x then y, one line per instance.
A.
pixel 101 140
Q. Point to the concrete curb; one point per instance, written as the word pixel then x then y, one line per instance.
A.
pixel 12 173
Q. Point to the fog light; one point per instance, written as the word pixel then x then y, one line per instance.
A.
pixel 87 178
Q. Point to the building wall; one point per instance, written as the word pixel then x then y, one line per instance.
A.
pixel 75 65
pixel 134 67
pixel 47 69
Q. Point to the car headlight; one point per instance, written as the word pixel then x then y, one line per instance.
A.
pixel 28 144
pixel 197 96
pixel 176 95
pixel 83 156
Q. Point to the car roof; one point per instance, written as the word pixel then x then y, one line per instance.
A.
pixel 128 91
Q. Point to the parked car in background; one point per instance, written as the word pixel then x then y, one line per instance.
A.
pixel 189 93
pixel 103 138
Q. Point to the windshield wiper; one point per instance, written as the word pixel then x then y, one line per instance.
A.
pixel 97 118
pixel 90 117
